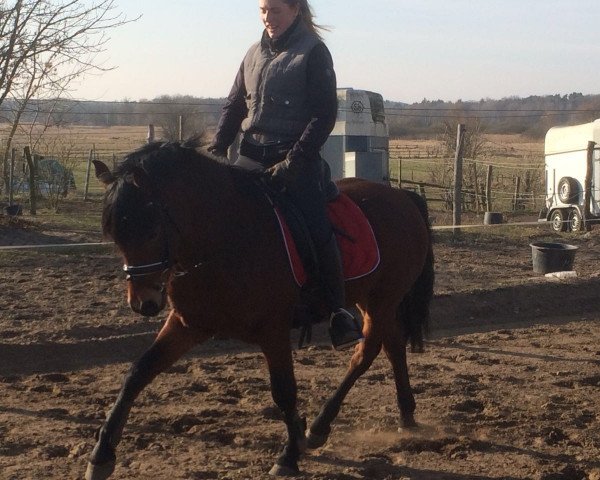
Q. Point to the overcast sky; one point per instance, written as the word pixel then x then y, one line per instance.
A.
pixel 405 50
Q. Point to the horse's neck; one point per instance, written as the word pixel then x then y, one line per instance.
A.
pixel 223 209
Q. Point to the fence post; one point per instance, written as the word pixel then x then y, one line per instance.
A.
pixel 180 128
pixel 400 172
pixel 11 174
pixel 587 190
pixel 150 137
pixel 517 188
pixel 488 189
pixel 87 172
pixel 476 185
pixel 32 185
pixel 456 210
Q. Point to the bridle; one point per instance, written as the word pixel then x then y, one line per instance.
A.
pixel 167 263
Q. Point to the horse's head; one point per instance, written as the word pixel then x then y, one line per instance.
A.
pixel 136 219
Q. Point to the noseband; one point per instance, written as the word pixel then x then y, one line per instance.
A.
pixel 134 271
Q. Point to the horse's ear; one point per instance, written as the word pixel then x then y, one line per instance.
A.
pixel 103 173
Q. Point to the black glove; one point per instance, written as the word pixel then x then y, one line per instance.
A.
pixel 217 151
pixel 279 172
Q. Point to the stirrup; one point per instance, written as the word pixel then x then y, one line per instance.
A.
pixel 344 330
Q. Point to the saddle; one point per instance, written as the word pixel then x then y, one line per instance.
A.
pixel 357 244
pixel 355 237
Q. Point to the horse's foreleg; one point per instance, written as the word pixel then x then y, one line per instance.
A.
pixel 394 345
pixel 171 343
pixel 360 362
pixel 284 392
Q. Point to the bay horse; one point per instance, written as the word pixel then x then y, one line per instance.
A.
pixel 200 236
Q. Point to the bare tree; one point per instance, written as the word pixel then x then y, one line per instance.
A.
pixel 181 115
pixel 44 46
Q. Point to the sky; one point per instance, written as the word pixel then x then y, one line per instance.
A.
pixel 406 50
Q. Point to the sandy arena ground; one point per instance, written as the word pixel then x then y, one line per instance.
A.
pixel 508 387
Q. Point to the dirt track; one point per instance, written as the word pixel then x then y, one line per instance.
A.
pixel 508 387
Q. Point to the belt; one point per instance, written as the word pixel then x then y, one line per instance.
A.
pixel 265 153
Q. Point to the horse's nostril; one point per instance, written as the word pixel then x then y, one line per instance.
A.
pixel 149 309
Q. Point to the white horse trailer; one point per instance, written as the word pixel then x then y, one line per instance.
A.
pixel 566 164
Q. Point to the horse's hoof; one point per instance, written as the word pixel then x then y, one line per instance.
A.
pixel 314 440
pixel 99 472
pixel 283 471
pixel 408 424
pixel 302 446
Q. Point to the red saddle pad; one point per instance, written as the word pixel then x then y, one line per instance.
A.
pixel 360 253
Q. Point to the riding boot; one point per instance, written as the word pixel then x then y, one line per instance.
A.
pixel 344 329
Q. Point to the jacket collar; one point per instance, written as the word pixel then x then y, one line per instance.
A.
pixel 279 44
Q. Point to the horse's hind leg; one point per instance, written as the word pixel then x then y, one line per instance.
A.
pixel 364 354
pixel 172 342
pixel 284 391
pixel 394 346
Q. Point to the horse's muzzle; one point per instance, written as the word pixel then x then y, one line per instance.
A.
pixel 148 302
pixel 149 308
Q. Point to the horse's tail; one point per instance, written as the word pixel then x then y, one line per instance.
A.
pixel 413 312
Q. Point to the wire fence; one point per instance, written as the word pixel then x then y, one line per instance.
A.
pixel 516 183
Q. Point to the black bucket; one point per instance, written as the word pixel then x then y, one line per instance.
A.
pixel 552 257
pixel 492 218
pixel 14 210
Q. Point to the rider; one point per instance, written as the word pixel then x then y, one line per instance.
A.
pixel 285 102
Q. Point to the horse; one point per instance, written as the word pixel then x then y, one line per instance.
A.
pixel 200 236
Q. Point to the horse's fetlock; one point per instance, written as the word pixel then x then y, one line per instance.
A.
pixel 289 458
pixel 103 453
pixel 320 427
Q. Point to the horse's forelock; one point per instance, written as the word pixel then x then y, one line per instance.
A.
pixel 125 213
pixel 160 161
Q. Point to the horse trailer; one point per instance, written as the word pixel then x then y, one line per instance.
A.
pixel 569 156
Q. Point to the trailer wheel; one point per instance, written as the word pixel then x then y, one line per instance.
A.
pixel 558 221
pixel 568 190
pixel 575 221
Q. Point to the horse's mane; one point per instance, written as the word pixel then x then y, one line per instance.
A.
pixel 162 161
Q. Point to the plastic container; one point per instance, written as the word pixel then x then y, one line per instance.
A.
pixel 14 210
pixel 492 218
pixel 551 257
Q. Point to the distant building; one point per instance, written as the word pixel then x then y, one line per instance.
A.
pixel 359 143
